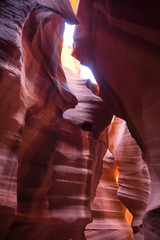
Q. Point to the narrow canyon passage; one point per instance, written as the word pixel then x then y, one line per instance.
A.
pixel 79 120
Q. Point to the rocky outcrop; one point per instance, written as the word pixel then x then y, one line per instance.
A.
pixel 50 165
pixel 110 217
pixel 108 213
pixel 12 111
pixel 59 172
pixel 106 210
pixel 120 42
pixel 56 181
pixel 30 115
pixel 133 179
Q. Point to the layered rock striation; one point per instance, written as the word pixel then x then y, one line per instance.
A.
pixel 50 165
pixel 120 43
pixel 31 79
pixel 56 179
pixel 134 178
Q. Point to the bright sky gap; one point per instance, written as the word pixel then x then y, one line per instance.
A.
pixel 68 42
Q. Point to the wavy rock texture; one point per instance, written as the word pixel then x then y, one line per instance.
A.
pixel 134 186
pixel 46 96
pixel 77 163
pixel 33 94
pixel 12 111
pixel 59 171
pixel 59 160
pixel 109 214
pixel 133 179
pixel 121 44
pixel 58 183
pixel 51 159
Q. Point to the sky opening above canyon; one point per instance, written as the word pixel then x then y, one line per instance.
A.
pixel 85 72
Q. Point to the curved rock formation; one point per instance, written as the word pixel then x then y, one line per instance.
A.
pixel 51 156
pixel 59 160
pixel 29 86
pixel 133 179
pixel 120 43
pixel 12 111
pixel 109 214
pixel 134 186
pixel 77 164
pixel 63 167
pixel 46 96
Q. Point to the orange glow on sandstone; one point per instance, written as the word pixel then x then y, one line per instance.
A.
pixel 74 4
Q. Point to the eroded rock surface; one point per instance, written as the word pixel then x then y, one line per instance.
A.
pixel 12 111
pixel 48 163
pixel 30 83
pixel 53 130
pixel 134 178
pixel 120 43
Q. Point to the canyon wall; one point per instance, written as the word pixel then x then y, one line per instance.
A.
pixel 50 165
pixel 59 153
pixel 120 43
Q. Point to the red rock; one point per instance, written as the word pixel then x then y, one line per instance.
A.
pixel 120 43
pixel 56 181
pixel 57 161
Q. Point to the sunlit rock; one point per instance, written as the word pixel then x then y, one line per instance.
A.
pixel 120 42
pixel 56 179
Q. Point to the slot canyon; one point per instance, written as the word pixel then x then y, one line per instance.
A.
pixel 78 159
